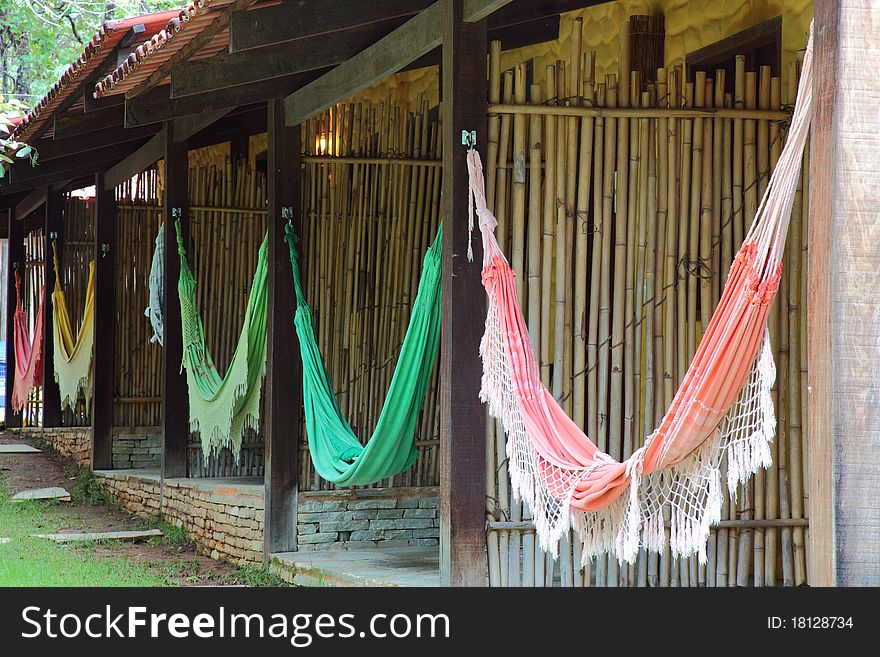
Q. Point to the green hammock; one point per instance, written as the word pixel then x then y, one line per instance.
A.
pixel 337 454
pixel 221 408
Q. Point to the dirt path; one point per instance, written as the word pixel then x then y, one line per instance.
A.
pixel 172 554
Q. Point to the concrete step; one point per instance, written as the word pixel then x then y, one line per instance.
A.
pixel 68 537
pixel 18 449
pixel 405 566
pixel 53 493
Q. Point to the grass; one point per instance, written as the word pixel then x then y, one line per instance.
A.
pixel 28 561
pixel 85 488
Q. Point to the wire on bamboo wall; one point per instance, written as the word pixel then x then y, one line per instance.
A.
pixel 621 230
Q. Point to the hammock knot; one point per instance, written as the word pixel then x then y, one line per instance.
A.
pixel 292 239
pixel 494 270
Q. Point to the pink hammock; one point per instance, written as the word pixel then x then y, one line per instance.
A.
pixel 28 352
pixel 723 405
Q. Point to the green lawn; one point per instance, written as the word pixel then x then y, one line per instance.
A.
pixel 27 561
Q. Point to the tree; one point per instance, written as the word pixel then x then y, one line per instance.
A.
pixel 39 39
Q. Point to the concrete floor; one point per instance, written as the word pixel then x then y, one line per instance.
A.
pixel 404 566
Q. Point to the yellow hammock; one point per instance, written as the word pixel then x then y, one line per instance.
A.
pixel 73 359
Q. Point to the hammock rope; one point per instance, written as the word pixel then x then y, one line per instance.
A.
pixel 72 358
pixel 723 406
pixel 28 349
pixel 220 409
pixel 156 310
pixel 337 454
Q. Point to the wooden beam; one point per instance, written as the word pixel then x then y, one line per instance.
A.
pixel 462 415
pixel 186 126
pixel 279 60
pixel 157 106
pixel 415 38
pixel 175 400
pixel 518 35
pixel 213 29
pixel 30 202
pixel 844 298
pixel 477 10
pixel 54 232
pixel 104 358
pixel 53 149
pixel 284 368
pixel 138 161
pixel 14 262
pixel 300 19
pixel 72 124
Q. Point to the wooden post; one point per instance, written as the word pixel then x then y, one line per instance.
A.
pixel 175 403
pixel 104 359
pixel 462 415
pixel 54 232
pixel 844 298
pixel 14 261
pixel 283 365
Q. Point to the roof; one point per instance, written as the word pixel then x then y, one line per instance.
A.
pixel 93 56
pixel 198 28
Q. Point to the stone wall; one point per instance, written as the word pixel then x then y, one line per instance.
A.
pixel 75 442
pixel 375 517
pixel 224 518
pixel 136 448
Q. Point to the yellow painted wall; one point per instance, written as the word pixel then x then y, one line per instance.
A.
pixel 690 25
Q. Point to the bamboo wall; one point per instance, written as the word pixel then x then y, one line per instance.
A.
pixel 621 230
pixel 371 202
pixel 32 280
pixel 138 368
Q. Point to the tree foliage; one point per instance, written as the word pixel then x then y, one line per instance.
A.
pixel 39 39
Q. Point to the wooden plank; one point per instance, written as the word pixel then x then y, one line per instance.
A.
pixel 476 10
pixel 14 261
pixel 31 202
pixel 76 169
pixel 158 106
pixel 175 400
pixel 283 366
pixel 820 389
pixel 213 29
pixel 103 359
pixel 51 493
pixel 138 161
pixel 844 298
pixel 74 537
pixel 279 60
pixel 462 415
pixel 54 232
pixel 412 40
pixel 266 26
pixel 18 449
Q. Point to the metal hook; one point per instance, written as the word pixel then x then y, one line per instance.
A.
pixel 105 249
pixel 469 138
pixel 53 235
pixel 176 213
pixel 287 213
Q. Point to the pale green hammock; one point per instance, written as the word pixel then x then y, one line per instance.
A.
pixel 220 409
pixel 337 454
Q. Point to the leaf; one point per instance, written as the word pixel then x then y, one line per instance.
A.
pixel 24 151
pixel 2 170
pixel 5 158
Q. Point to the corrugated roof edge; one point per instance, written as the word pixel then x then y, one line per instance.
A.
pixel 145 50
pixel 98 41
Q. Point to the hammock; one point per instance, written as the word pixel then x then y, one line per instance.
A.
pixel 28 351
pixel 156 310
pixel 723 404
pixel 73 359
pixel 337 454
pixel 220 409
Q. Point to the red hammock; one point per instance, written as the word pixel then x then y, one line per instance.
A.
pixel 723 406
pixel 28 351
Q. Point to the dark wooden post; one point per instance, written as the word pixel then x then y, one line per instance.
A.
pixel 175 404
pixel 103 359
pixel 462 415
pixel 284 368
pixel 14 261
pixel 843 330
pixel 54 232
